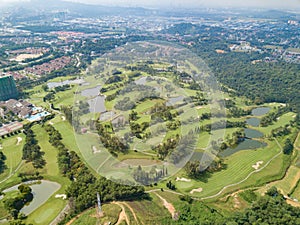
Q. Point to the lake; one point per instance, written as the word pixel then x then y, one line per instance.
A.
pixel 251 133
pixel 41 193
pixel 97 104
pixel 174 100
pixel 141 81
pixel 62 83
pixel 91 92
pixel 245 145
pixel 254 122
pixel 107 116
pixel 260 111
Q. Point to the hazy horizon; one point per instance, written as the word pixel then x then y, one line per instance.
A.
pixel 265 4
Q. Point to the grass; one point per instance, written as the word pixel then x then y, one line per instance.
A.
pixel 52 207
pixel 239 165
pixel 150 212
pixel 47 212
pixel 111 214
pixel 13 154
pixel 284 119
pixel 51 167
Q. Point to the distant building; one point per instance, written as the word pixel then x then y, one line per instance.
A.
pixel 21 108
pixel 8 89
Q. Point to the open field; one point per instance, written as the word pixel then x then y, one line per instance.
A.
pixel 13 153
pixel 51 208
pixel 111 214
pixel 150 212
pixel 239 165
pixel 284 119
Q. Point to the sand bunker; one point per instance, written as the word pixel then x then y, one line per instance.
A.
pixel 95 150
pixel 196 190
pixel 19 139
pixel 183 179
pixel 63 118
pixel 63 196
pixel 257 165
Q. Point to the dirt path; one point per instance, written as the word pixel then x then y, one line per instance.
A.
pixel 122 215
pixel 167 205
pixel 132 211
pixel 293 203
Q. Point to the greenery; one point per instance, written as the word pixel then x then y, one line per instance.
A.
pixel 14 205
pixel 32 151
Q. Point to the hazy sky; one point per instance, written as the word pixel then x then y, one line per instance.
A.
pixel 279 4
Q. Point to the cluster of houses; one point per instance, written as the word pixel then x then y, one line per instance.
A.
pixel 20 108
pixel 48 67
pixel 29 50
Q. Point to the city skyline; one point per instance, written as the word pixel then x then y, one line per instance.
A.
pixel 272 4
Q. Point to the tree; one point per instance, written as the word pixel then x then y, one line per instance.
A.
pixel 288 147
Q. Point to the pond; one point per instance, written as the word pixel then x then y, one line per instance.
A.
pixel 200 156
pixel 62 83
pixel 251 133
pixel 175 100
pixel 141 81
pixel 97 104
pixel 137 162
pixel 254 122
pixel 41 193
pixel 245 145
pixel 107 116
pixel 260 111
pixel 91 92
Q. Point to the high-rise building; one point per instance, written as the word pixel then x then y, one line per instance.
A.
pixel 8 88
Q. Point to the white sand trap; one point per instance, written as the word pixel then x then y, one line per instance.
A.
pixel 95 150
pixel 19 139
pixel 199 107
pixel 1 146
pixel 183 179
pixel 63 196
pixel 51 123
pixel 63 118
pixel 196 190
pixel 257 165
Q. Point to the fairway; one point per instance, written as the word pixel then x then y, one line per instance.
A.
pixel 13 153
pixel 239 165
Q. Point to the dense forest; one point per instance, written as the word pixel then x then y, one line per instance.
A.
pixel 269 209
pixel 266 81
pixel 261 82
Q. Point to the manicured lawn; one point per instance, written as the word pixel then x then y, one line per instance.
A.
pixel 239 165
pixel 47 212
pixel 51 167
pixel 284 119
pixel 13 153
pixel 52 207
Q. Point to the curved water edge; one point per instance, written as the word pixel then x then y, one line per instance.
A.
pixel 253 121
pixel 249 143
pixel 41 190
pixel 260 111
pixel 251 133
